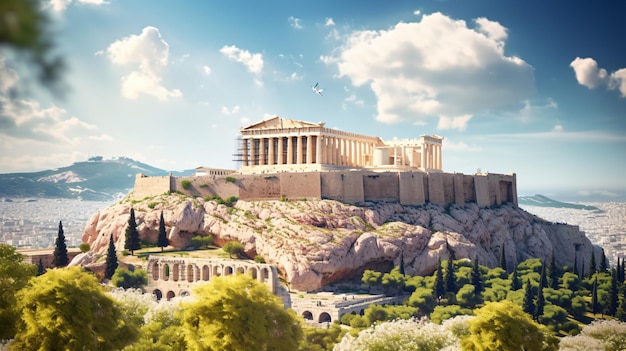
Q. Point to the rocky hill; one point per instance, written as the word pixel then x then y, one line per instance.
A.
pixel 314 243
pixel 96 180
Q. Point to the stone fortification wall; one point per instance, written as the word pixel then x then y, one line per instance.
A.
pixel 356 186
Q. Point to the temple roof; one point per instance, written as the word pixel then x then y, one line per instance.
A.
pixel 281 123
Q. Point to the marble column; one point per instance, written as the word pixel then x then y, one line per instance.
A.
pixel 299 150
pixel 272 151
pixel 289 150
pixel 280 151
pixel 319 153
pixel 244 151
pixel 262 154
pixel 309 149
pixel 253 153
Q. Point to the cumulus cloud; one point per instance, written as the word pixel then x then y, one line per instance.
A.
pixel 232 111
pixel 590 75
pixel 206 70
pixel 149 53
pixel 253 62
pixel 457 122
pixel 295 22
pixel 329 22
pixel 61 5
pixel 436 67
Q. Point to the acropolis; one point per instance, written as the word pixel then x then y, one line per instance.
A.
pixel 288 159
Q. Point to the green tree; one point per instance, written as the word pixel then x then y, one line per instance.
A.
pixel 40 268
pixel 111 260
pixel 440 288
pixel 603 265
pixel 320 339
pixel 516 283
pixel 162 240
pixel 503 258
pixel 503 325
pixel 132 242
pixel 423 299
pixel 540 304
pixel 529 304
pixel 60 249
pixel 614 295
pixel 14 275
pixel 23 29
pixel 129 278
pixel 449 277
pixel 594 296
pixel 233 248
pixel 621 307
pixel 553 273
pixel 592 262
pixel 477 278
pixel 68 309
pixel 543 278
pixel 371 278
pixel 237 313
pixel 84 247
pixel 393 281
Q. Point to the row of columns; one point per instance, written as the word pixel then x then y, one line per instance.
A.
pixel 306 149
pixel 431 156
pixel 180 272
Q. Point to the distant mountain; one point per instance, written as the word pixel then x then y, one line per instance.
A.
pixel 543 201
pixel 95 180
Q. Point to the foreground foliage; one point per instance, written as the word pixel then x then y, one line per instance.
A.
pixel 14 275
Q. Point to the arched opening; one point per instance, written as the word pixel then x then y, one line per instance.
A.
pixel 228 270
pixel 253 272
pixel 265 273
pixel 190 277
pixel 175 272
pixel 170 295
pixel 217 271
pixel 184 293
pixel 240 270
pixel 325 318
pixel 155 270
pixel 206 273
pixel 307 315
pixel 158 294
pixel 166 269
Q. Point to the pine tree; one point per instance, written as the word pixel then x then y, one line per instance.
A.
pixel 162 240
pixel 603 266
pixel 476 277
pixel 614 294
pixel 529 304
pixel 539 304
pixel 594 296
pixel 402 264
pixel 503 258
pixel 440 289
pixel 40 268
pixel 553 273
pixel 111 261
pixel 449 276
pixel 132 235
pixel 516 284
pixel 60 249
pixel 592 263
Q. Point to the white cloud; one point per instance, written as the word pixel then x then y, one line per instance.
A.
pixel 417 12
pixel 604 193
pixel 232 111
pixel 8 77
pixel 590 75
pixel 150 52
pixel 449 145
pixel 457 122
pixel 206 70
pixel 295 22
pixel 61 5
pixel 329 22
pixel 253 62
pixel 435 67
pixel 557 128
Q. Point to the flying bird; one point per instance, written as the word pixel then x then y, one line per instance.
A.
pixel 316 90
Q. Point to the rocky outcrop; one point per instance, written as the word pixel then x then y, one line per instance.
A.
pixel 314 243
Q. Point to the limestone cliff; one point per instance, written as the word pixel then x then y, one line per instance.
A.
pixel 314 243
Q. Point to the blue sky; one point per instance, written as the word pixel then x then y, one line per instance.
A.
pixel 536 88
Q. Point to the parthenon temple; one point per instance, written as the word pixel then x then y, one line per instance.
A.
pixel 280 144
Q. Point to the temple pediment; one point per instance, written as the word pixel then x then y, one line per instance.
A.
pixel 281 123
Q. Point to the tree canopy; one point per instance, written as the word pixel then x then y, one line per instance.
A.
pixel 162 239
pixel 14 275
pixel 238 313
pixel 60 249
pixel 69 307
pixel 132 242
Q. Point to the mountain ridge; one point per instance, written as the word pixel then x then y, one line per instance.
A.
pixel 544 201
pixel 92 180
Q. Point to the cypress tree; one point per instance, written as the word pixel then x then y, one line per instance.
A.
pixel 594 296
pixel 618 267
pixel 529 304
pixel 603 265
pixel 576 264
pixel 60 249
pixel 582 271
pixel 440 289
pixel 476 277
pixel 450 278
pixel 592 262
pixel 132 242
pixel 40 268
pixel 516 284
pixel 553 273
pixel 621 308
pixel 111 261
pixel 613 303
pixel 503 258
pixel 162 240
pixel 539 304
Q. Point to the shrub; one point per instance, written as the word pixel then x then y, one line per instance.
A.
pixel 185 184
pixel 201 241
pixel 152 205
pixel 259 259
pixel 203 185
pixel 84 247
pixel 230 179
pixel 233 248
pixel 125 253
pixel 129 278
